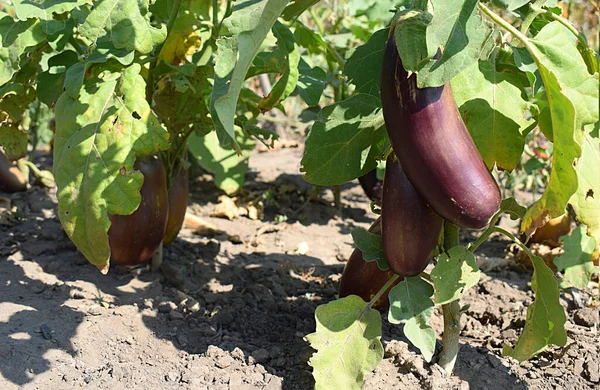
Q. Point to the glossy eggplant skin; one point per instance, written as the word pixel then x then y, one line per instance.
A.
pixel 371 185
pixel 365 278
pixel 434 147
pixel 134 238
pixel 410 228
pixel 11 178
pixel 178 200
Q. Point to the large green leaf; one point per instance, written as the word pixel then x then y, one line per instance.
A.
pixel 311 83
pixel 344 131
pixel 125 22
pixel 51 82
pixel 249 23
pixel 16 37
pixel 586 200
pixel 493 109
pixel 98 137
pixel 411 304
pixel 348 343
pixel 363 66
pixel 44 10
pixel 456 27
pixel 13 141
pixel 229 168
pixel 576 263
pixel 545 317
pixel 454 273
pixel 15 99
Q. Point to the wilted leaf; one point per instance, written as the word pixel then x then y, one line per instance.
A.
pixel 348 343
pixel 411 304
pixel 454 274
pixel 545 317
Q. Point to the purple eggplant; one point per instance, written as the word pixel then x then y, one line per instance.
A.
pixel 410 228
pixel 371 185
pixel 364 278
pixel 434 146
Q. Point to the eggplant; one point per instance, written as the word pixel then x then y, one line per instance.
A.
pixel 134 238
pixel 364 278
pixel 434 147
pixel 371 185
pixel 11 178
pixel 178 200
pixel 410 228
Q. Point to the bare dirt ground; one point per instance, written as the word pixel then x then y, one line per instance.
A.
pixel 228 312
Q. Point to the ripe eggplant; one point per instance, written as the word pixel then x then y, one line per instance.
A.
pixel 134 238
pixel 371 185
pixel 410 228
pixel 11 178
pixel 434 146
pixel 178 200
pixel 364 278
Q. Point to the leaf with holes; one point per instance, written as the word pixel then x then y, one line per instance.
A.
pixel 454 273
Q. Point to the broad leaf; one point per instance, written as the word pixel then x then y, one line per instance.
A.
pixel 16 37
pixel 576 263
pixel 185 38
pixel 13 141
pixel 411 304
pixel 228 168
pixel 363 66
pixel 311 83
pixel 15 99
pixel 125 22
pixel 493 109
pixel 98 138
pixel 51 82
pixel 44 10
pixel 510 206
pixel 545 317
pixel 586 200
pixel 370 246
pixel 249 23
pixel 454 273
pixel 296 8
pixel 413 51
pixel 456 27
pixel 347 129
pixel 348 343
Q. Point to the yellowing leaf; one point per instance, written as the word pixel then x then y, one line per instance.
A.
pixel 576 262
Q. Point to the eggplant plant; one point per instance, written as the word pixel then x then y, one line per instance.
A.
pixel 452 89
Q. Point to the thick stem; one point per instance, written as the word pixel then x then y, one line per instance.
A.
pixel 534 10
pixel 157 258
pixel 451 312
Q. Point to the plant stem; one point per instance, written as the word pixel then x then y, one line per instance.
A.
pixel 505 25
pixel 451 312
pixel 76 45
pixel 535 9
pixel 337 198
pixel 484 236
pixel 382 290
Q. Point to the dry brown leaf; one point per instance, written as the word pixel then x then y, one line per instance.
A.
pixel 226 208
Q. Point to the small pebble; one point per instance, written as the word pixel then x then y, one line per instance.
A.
pixel 166 307
pixel 46 332
pixel 175 315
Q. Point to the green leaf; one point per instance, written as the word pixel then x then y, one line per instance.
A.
pixel 556 45
pixel 16 38
pixel 413 51
pixel 363 66
pixel 563 178
pixel 456 27
pixel 125 22
pixel 13 141
pixel 98 137
pixel 348 344
pixel 545 317
pixel 347 129
pixel 576 263
pixel 454 273
pixel 297 7
pixel 228 168
pixel 370 246
pixel 510 206
pixel 44 10
pixel 51 82
pixel 586 200
pixel 249 23
pixel 493 109
pixel 411 304
pixel 311 83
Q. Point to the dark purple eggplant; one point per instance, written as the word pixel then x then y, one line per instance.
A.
pixel 371 185
pixel 134 238
pixel 364 278
pixel 434 146
pixel 178 200
pixel 11 178
pixel 410 228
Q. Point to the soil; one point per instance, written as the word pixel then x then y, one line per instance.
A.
pixel 230 311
